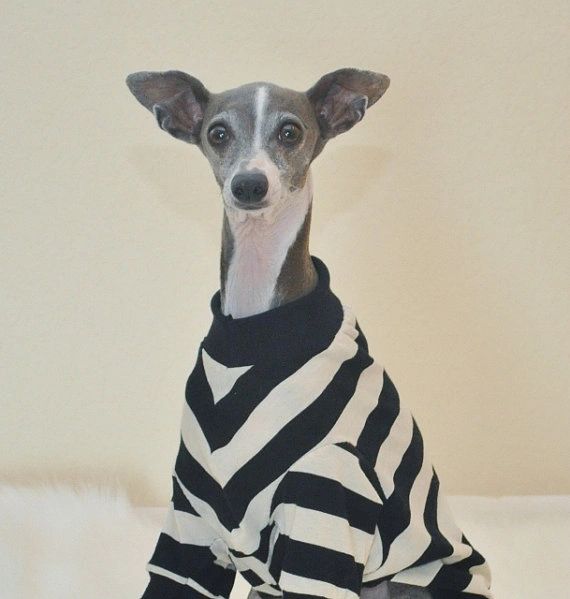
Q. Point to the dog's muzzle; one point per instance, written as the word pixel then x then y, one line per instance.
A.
pixel 249 189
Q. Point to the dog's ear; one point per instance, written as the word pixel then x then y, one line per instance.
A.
pixel 176 99
pixel 341 98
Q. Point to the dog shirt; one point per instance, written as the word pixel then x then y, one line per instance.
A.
pixel 299 467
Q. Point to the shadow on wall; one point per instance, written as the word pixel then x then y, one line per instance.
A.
pixel 354 171
pixel 179 177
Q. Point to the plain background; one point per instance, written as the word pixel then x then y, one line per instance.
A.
pixel 443 218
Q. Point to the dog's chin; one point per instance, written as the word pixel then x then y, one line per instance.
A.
pixel 242 212
pixel 250 207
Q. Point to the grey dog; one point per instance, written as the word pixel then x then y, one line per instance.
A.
pixel 260 140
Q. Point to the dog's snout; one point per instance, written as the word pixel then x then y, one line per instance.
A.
pixel 250 188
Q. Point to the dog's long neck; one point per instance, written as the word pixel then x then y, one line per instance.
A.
pixel 265 259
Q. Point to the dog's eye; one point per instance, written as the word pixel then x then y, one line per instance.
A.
pixel 290 133
pixel 218 135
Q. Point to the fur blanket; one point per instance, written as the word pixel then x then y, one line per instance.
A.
pixel 56 543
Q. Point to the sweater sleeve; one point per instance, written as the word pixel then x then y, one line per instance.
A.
pixel 189 561
pixel 325 511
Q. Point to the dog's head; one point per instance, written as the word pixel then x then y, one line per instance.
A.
pixel 260 139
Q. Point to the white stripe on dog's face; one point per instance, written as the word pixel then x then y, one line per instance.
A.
pixel 260 105
pixel 253 116
pixel 263 231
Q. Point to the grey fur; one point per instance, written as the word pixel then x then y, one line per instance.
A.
pixel 236 107
pixel 394 590
pixel 298 276
pixel 384 590
pixel 187 110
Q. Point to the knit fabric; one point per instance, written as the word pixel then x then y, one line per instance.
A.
pixel 299 467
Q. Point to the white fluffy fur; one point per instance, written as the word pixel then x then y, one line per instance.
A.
pixel 56 543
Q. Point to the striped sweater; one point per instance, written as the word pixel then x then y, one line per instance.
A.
pixel 299 467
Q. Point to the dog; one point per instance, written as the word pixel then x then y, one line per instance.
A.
pixel 298 465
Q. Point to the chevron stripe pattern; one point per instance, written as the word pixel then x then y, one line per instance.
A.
pixel 299 467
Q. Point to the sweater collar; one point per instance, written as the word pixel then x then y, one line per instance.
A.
pixel 303 326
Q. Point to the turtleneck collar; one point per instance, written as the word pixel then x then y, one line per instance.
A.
pixel 303 326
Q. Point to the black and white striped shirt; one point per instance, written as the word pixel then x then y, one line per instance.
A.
pixel 299 467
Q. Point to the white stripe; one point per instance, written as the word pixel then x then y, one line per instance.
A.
pixel 285 401
pixel 481 582
pixel 331 461
pixel 188 528
pixel 260 103
pixel 298 584
pixel 374 558
pixel 365 398
pixel 220 551
pixel 220 377
pixel 322 529
pixel 260 568
pixel 392 450
pixel 180 579
pixel 415 539
pixel 420 575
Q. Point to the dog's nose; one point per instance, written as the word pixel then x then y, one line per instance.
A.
pixel 250 188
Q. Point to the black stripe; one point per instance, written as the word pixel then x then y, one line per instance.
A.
pixel 195 478
pixel 192 561
pixel 179 500
pixel 361 338
pixel 220 421
pixel 475 559
pixel 366 467
pixel 395 515
pixel 456 576
pixel 297 437
pixel 316 563
pixel 380 420
pixel 252 577
pixel 308 323
pixel 439 546
pixel 328 496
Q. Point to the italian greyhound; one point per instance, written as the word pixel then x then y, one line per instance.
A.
pixel 261 140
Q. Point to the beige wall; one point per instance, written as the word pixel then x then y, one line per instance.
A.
pixel 443 218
